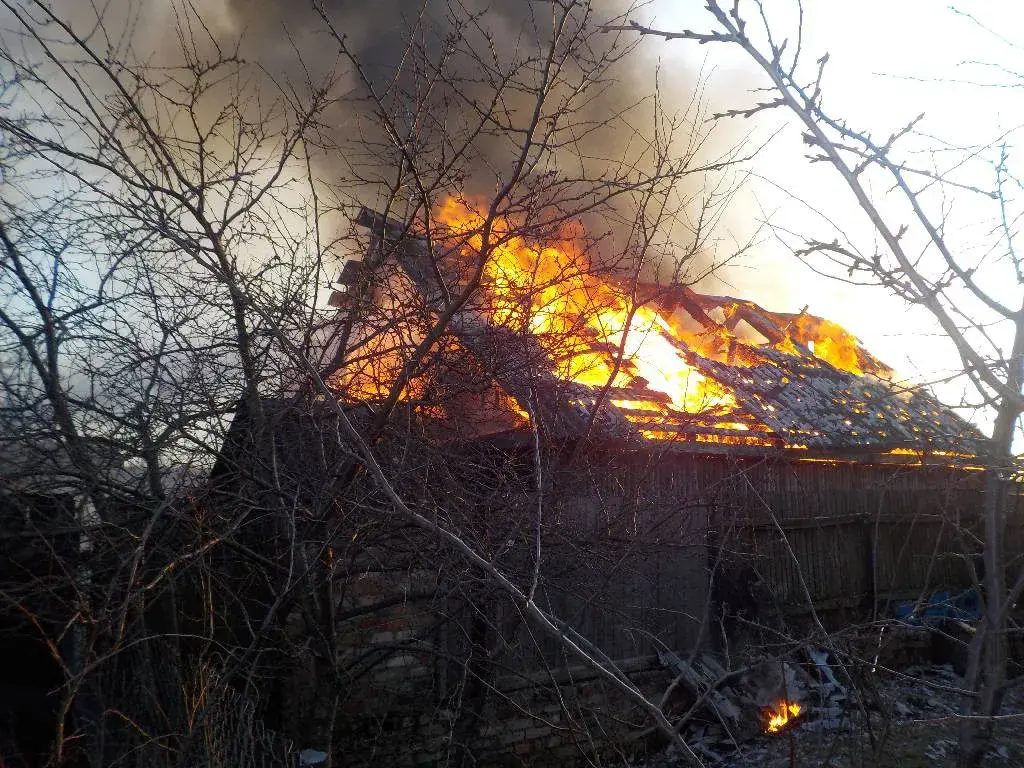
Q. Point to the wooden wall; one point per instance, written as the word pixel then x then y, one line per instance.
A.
pixel 839 536
pixel 638 553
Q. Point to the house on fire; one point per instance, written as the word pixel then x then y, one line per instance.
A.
pixel 687 368
pixel 709 466
pixel 780 429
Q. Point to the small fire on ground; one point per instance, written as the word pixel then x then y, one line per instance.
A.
pixel 784 713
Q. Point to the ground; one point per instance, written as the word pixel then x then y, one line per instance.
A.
pixel 908 744
pixel 904 721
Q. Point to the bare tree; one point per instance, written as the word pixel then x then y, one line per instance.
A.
pixel 145 208
pixel 168 225
pixel 971 289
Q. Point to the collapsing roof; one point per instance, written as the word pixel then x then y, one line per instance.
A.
pixel 665 363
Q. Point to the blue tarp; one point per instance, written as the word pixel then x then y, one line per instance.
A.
pixel 945 604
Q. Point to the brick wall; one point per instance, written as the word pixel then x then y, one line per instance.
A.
pixel 573 718
pixel 419 692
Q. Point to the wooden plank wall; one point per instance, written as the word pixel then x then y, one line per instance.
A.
pixel 847 536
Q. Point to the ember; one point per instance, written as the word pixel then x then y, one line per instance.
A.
pixel 785 713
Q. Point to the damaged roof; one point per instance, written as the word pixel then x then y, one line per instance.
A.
pixel 782 387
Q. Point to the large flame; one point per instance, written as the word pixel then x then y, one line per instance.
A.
pixel 641 341
pixel 594 330
pixel 386 337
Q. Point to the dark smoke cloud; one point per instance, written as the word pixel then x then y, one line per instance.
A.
pixel 290 41
pixel 289 38
pixel 375 29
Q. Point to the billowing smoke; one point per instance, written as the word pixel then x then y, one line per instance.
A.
pixel 430 52
pixel 402 48
pixel 397 43
pixel 377 32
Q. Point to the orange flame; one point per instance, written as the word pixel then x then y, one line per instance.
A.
pixel 778 718
pixel 385 344
pixel 638 339
pixel 581 320
pixel 832 343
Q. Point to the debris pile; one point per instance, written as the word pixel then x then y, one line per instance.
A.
pixel 728 708
pixel 728 711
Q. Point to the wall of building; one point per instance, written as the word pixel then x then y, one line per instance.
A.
pixel 629 549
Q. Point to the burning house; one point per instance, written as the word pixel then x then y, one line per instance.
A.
pixel 708 466
pixel 692 468
pixel 644 362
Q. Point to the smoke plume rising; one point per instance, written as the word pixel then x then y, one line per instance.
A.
pixel 399 46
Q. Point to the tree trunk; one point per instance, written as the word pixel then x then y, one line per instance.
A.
pixel 987 655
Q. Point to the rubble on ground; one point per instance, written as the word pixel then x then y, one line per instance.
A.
pixel 871 716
